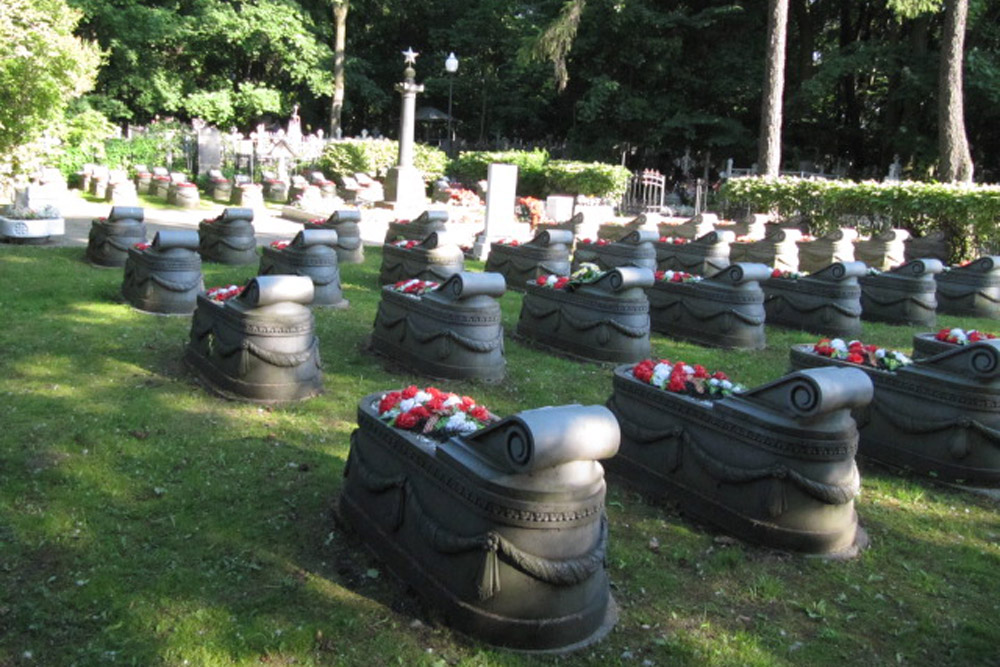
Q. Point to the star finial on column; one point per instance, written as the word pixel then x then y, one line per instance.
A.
pixel 410 56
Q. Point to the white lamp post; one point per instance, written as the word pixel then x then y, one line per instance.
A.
pixel 451 65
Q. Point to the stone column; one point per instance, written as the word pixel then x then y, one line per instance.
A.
pixel 404 184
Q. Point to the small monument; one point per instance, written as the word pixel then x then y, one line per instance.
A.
pixel 404 185
pixel 501 222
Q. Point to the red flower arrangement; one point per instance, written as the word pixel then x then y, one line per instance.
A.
pixel 280 245
pixel 961 337
pixel 681 378
pixel 788 275
pixel 405 244
pixel 531 210
pixel 433 412
pixel 599 242
pixel 224 293
pixel 587 273
pixel 857 352
pixel 415 286
pixel 675 240
pixel 142 245
pixel 669 276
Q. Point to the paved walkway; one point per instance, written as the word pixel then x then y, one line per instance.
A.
pixel 79 213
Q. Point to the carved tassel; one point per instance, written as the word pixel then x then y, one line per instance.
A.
pixel 397 518
pixel 958 444
pixel 775 500
pixel 244 362
pixel 489 575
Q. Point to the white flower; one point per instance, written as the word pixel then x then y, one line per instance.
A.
pixel 838 344
pixel 452 400
pixel 422 397
pixel 959 336
pixel 879 353
pixel 661 373
pixel 407 404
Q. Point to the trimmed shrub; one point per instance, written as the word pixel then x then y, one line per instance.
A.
pixel 593 179
pixel 473 166
pixel 377 156
pixel 967 214
pixel 538 176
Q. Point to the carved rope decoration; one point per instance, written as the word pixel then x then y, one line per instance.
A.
pixel 231 243
pixel 705 315
pixel 957 294
pixel 830 494
pixel 119 245
pixel 280 359
pixel 581 325
pixel 424 336
pixel 928 303
pixel 563 572
pixel 852 312
pixel 958 446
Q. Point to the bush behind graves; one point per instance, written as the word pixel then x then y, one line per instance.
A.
pixel 376 156
pixel 967 214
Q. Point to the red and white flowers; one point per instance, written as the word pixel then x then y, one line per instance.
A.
pixel 597 242
pixel 279 245
pixel 224 293
pixel 587 273
pixel 142 245
pixel 961 337
pixel 673 240
pixel 415 286
pixel 669 276
pixel 857 352
pixel 681 378
pixel 405 244
pixel 787 275
pixel 433 412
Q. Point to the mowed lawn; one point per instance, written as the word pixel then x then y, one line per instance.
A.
pixel 145 521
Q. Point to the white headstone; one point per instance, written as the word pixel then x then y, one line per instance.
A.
pixel 559 207
pixel 501 221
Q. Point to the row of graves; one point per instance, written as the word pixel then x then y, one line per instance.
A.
pixel 500 521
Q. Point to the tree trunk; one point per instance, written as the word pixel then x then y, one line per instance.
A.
pixel 769 158
pixel 340 8
pixel 955 161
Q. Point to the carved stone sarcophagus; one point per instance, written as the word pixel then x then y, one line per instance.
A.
pixel 633 249
pixel 837 246
pixel 723 310
pixel 827 302
pixel 434 258
pixel 705 255
pixel 312 253
pixel 933 245
pixel 773 465
pixel 604 320
pixel 229 238
pixel 577 224
pixel 503 530
pixel 903 295
pixel 777 249
pixel 614 231
pixel 111 237
pixel 453 331
pixel 938 416
pixel 930 343
pixel 165 276
pixel 884 250
pixel 426 224
pixel 260 345
pixel 547 253
pixel 694 228
pixel 347 224
pixel 971 289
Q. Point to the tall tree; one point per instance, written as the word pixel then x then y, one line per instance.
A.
pixel 340 8
pixel 955 161
pixel 769 157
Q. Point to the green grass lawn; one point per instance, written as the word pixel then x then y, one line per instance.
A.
pixel 145 521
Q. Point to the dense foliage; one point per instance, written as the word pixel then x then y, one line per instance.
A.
pixel 376 157
pixel 967 214
pixel 538 175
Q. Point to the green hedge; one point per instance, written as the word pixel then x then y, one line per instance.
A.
pixel 539 176
pixel 967 214
pixel 377 156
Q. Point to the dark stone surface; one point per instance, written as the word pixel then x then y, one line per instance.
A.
pixel 423 226
pixel 836 246
pixel 503 530
pixel 453 332
pixel 346 222
pixel 110 239
pixel 939 416
pixel 774 465
pixel 633 249
pixel 972 289
pixel 778 249
pixel 312 253
pixel 607 320
pixel 259 346
pixel 827 302
pixel 903 295
pixel 229 238
pixel 546 254
pixel 704 256
pixel 166 277
pixel 724 310
pixel 435 258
